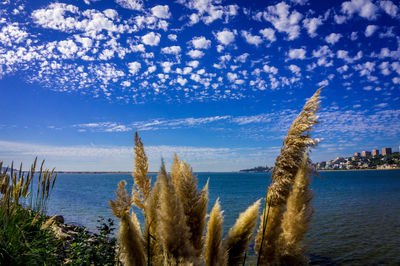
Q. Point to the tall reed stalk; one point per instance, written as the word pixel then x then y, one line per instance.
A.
pixel 297 141
pixel 175 211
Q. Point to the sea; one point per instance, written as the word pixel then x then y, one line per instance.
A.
pixel 356 217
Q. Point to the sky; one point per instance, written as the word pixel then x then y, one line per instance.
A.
pixel 217 82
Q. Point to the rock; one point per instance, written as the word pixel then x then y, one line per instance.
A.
pixel 59 219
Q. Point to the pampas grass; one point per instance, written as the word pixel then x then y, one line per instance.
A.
pixel 194 203
pixel 142 183
pixel 215 253
pixel 240 234
pixel 172 229
pixel 175 211
pixel 297 218
pixel 130 239
pixel 287 164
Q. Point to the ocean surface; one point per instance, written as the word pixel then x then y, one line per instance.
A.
pixel 356 219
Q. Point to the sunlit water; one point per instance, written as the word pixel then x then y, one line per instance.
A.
pixel 356 219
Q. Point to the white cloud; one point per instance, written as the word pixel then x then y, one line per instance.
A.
pixel 367 88
pixel 283 20
pixel 134 67
pixel 268 34
pixel 152 39
pixel 104 127
pixel 381 105
pixel 68 18
pixel 12 34
pixel 181 81
pixel 193 64
pixel 295 69
pixel 323 83
pixel 53 17
pixel 67 48
pixel 225 37
pixel 208 11
pixel 201 43
pixel 311 24
pixel 333 38
pixel 370 30
pixel 232 76
pixel 390 8
pixel 172 37
pixel 364 8
pixel 270 69
pixel 171 50
pixel 131 4
pixel 299 2
pixel 365 69
pixel 242 58
pixel 343 54
pixel 384 66
pixel 161 11
pixel 252 39
pixel 167 66
pixel 297 53
pixel 195 54
pixel 340 19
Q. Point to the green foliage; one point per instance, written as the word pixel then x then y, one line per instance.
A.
pixel 94 249
pixel 22 242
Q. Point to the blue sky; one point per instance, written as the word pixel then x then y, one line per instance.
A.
pixel 217 82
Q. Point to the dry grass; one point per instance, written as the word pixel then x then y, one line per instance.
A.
pixel 215 253
pixel 297 218
pixel 295 144
pixel 175 211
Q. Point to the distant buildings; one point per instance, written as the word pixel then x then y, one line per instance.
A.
pixel 375 152
pixel 386 151
pixel 365 153
pixel 357 154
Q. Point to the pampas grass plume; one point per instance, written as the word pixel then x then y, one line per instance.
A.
pixel 171 228
pixel 194 204
pixel 239 235
pixel 130 239
pixel 297 218
pixel 296 142
pixel 142 183
pixel 215 254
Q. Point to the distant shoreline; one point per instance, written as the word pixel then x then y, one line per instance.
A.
pixel 348 170
pixel 233 172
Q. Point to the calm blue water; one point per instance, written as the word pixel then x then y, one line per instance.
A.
pixel 356 220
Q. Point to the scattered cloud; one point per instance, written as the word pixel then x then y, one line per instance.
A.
pixel 297 53
pixel 251 39
pixel 333 38
pixel 226 37
pixel 161 12
pixel 283 20
pixel 370 30
pixel 201 43
pixel 152 39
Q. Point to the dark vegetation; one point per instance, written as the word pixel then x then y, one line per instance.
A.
pixel 29 237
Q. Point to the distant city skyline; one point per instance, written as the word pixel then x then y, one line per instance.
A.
pixel 217 82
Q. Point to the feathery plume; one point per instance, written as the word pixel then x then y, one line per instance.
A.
pixel 171 228
pixel 239 235
pixel 132 250
pixel 151 220
pixel 194 204
pixel 215 254
pixel 142 183
pixel 296 142
pixel 175 170
pixel 297 218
